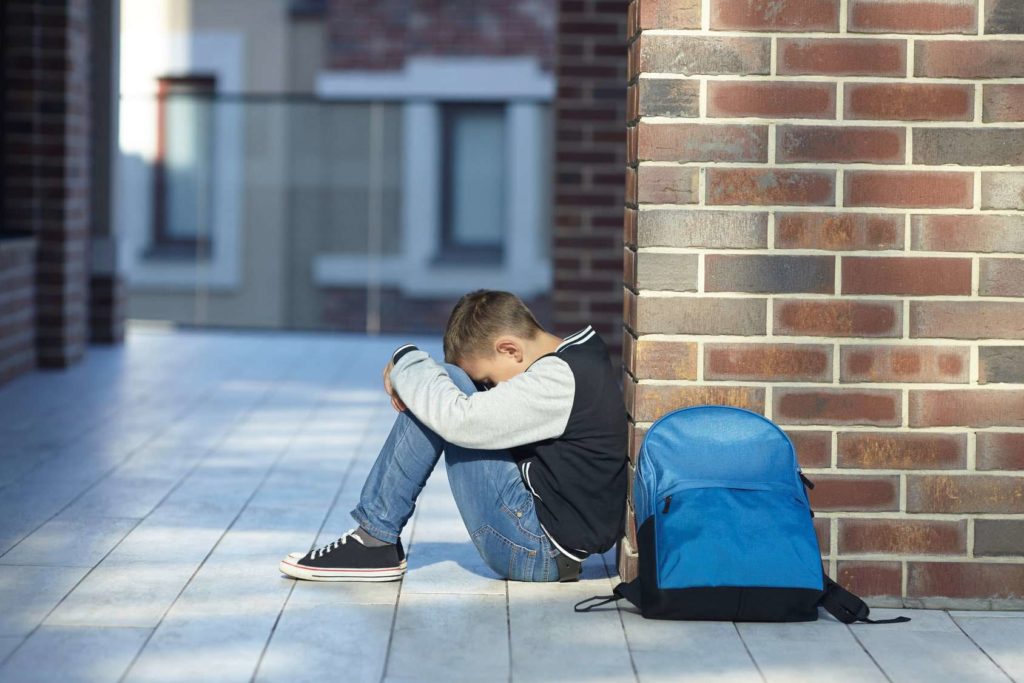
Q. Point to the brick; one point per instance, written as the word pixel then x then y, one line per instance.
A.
pixel 627 562
pixel 967 233
pixel 909 189
pixel 1002 191
pixel 631 525
pixel 1000 451
pixel 838 231
pixel 1002 102
pixel 967 319
pixel 976 580
pixel 967 407
pixel 911 276
pixel 1001 364
pixel 668 14
pixel 771 99
pixel 869 363
pixel 969 58
pixel 629 227
pixel 631 188
pixel 702 142
pixel 847 406
pixel 693 315
pixel 994 537
pixel 1004 16
pixel 987 493
pixel 1001 277
pixel 654 400
pixel 969 147
pixel 912 16
pixel 661 271
pixel 766 186
pixel 775 15
pixel 909 101
pixel 706 55
pixel 855 493
pixel 870 579
pixel 657 359
pixel 903 536
pixel 769 274
pixel 840 144
pixel 823 531
pixel 837 318
pixel 901 450
pixel 666 185
pixel 772 362
pixel 668 97
pixel 711 229
pixel 841 57
pixel 813 448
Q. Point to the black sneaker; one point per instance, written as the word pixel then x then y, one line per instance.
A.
pixel 347 559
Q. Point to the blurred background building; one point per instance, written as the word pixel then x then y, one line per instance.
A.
pixel 306 164
pixel 313 164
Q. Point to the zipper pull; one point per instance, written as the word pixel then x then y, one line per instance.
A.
pixel 807 482
pixel 668 501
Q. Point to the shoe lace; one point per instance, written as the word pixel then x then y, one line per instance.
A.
pixel 323 550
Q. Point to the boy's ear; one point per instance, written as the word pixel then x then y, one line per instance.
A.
pixel 506 345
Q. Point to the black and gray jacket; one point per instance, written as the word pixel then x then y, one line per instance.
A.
pixel 564 421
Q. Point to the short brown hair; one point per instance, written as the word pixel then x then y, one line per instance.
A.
pixel 480 317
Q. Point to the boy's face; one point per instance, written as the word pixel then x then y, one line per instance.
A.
pixel 504 364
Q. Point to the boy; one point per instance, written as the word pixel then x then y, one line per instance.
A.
pixel 533 427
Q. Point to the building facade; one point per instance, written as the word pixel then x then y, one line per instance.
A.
pixel 311 165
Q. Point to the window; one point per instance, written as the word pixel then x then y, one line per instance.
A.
pixel 473 182
pixel 183 169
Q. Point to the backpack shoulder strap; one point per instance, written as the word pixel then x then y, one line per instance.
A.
pixel 848 608
pixel 630 591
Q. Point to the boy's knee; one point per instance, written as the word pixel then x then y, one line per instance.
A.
pixel 459 377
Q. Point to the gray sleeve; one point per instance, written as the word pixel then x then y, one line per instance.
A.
pixel 532 406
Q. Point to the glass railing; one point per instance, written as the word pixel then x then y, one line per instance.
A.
pixel 292 212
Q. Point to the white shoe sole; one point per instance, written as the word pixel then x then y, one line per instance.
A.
pixel 291 567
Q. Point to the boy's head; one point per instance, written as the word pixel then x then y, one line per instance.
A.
pixel 486 335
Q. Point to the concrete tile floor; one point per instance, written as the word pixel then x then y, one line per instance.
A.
pixel 147 494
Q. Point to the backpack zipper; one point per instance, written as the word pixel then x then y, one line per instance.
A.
pixel 668 502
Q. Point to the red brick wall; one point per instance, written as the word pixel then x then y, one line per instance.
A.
pixel 380 34
pixel 17 307
pixel 46 162
pixel 589 155
pixel 826 226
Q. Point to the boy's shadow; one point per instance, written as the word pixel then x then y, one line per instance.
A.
pixel 464 554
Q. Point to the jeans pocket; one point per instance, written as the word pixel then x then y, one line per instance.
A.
pixel 510 560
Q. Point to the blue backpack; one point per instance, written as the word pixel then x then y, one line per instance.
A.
pixel 724 525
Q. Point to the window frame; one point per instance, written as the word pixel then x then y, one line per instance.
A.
pixel 449 249
pixel 163 243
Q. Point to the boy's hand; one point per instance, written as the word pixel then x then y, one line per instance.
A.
pixel 395 400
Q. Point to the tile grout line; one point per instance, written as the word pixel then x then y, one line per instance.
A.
pixel 749 653
pixel 114 547
pixel 74 399
pixel 327 515
pixel 977 645
pixel 202 397
pixel 263 398
pixel 622 622
pixel 868 653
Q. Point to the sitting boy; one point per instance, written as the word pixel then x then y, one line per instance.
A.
pixel 533 427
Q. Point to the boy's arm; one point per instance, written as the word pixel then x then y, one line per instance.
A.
pixel 532 406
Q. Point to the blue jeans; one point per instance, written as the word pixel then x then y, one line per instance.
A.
pixel 492 499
